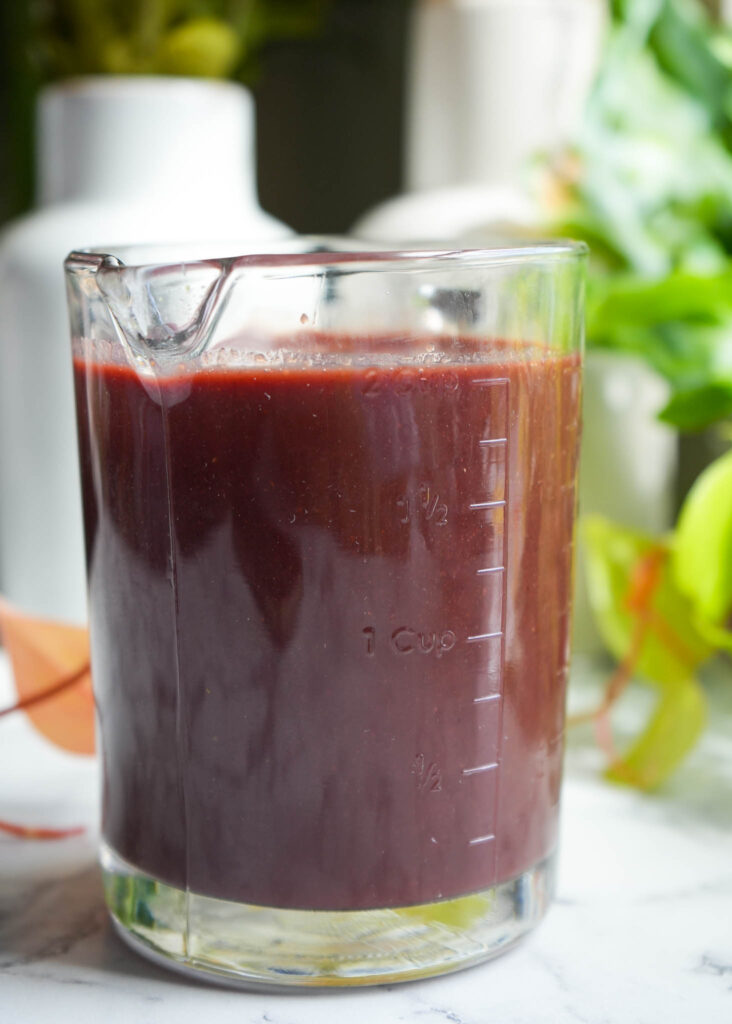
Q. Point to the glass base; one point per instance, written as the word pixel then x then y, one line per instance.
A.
pixel 260 947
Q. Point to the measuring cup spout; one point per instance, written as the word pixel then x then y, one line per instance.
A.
pixel 163 315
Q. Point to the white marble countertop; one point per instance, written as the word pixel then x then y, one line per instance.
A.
pixel 641 931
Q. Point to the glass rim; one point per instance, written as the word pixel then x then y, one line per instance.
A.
pixel 315 254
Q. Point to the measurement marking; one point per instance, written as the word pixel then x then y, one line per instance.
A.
pixel 480 768
pixel 480 637
pixel 487 572
pixel 490 380
pixel 481 839
pixel 487 504
pixel 486 700
pixel 493 441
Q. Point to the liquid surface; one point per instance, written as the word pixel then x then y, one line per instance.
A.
pixel 338 681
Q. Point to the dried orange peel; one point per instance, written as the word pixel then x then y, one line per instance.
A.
pixel 50 663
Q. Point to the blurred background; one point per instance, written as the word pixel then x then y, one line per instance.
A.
pixel 330 101
pixel 329 109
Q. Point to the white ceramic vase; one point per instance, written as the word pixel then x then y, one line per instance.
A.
pixel 121 160
pixel 490 83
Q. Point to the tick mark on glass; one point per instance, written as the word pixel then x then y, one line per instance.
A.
pixel 479 769
pixel 481 839
pixel 479 638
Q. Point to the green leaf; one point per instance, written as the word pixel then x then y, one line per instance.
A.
pixel 637 301
pixel 671 647
pixel 682 40
pixel 702 547
pixel 613 553
pixel 674 729
pixel 719 637
pixel 680 325
pixel 696 409
pixel 639 15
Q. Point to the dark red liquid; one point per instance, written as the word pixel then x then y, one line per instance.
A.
pixel 361 609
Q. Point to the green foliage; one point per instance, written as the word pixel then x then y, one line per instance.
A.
pixel 680 38
pixel 650 189
pixel 669 652
pixel 613 552
pixel 696 409
pixel 664 626
pixel 673 731
pixel 206 38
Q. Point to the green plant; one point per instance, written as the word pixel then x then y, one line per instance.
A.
pixel 649 187
pixel 664 607
pixel 208 38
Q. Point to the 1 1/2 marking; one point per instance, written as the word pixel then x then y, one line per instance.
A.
pixel 425 502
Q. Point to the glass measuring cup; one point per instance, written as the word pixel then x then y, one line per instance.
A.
pixel 329 501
